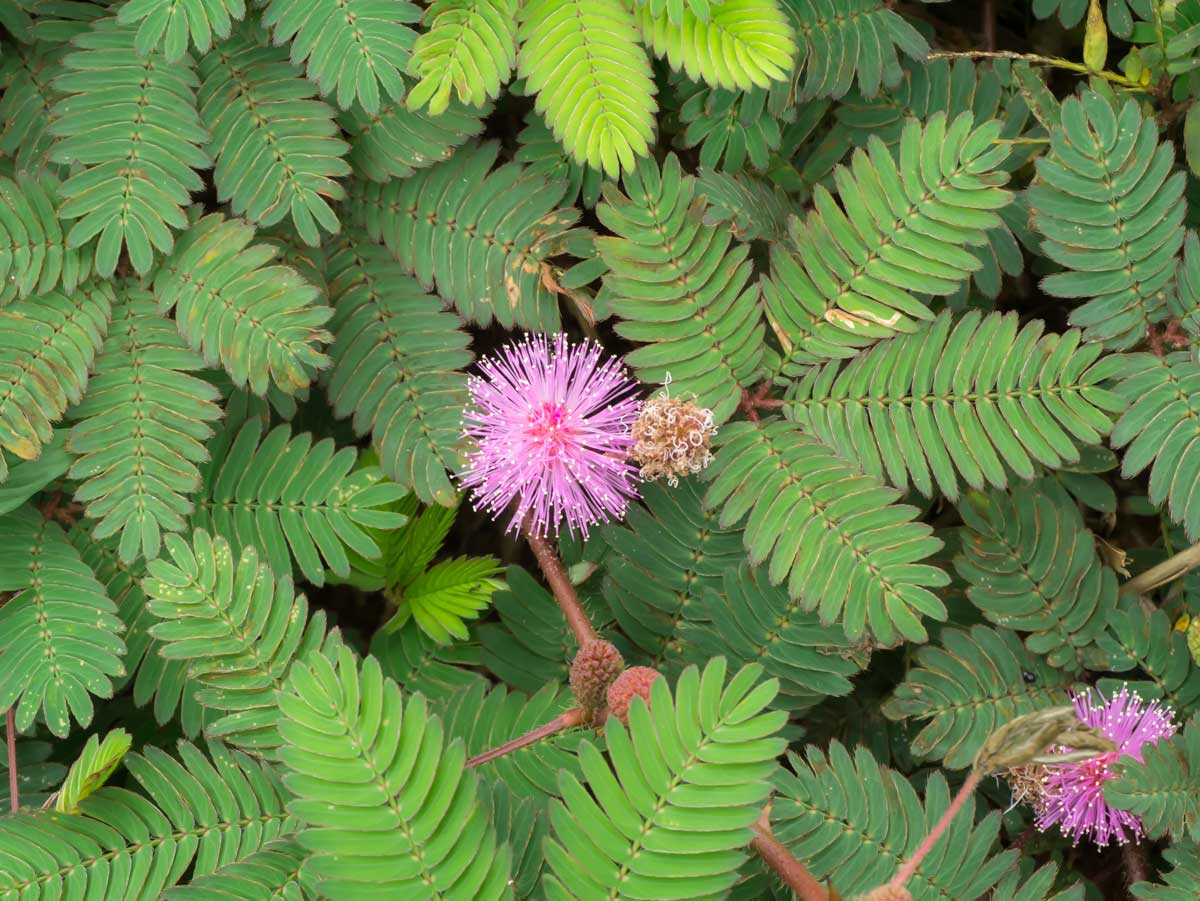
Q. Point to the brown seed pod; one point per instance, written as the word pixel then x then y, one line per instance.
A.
pixel 635 682
pixel 596 666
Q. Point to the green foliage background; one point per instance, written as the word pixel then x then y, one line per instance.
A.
pixel 944 306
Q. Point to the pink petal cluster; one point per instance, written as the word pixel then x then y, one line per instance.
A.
pixel 1074 797
pixel 552 426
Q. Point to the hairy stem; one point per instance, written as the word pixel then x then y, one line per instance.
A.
pixel 10 728
pixel 1037 58
pixel 564 591
pixel 780 859
pixel 1133 856
pixel 1171 568
pixel 968 788
pixel 570 718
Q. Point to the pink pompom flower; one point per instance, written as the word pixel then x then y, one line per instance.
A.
pixel 1074 796
pixel 552 427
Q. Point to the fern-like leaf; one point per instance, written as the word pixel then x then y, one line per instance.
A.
pixel 141 429
pixel 172 24
pixel 972 400
pixel 237 624
pixel 906 228
pixel 593 80
pixel 469 47
pixel 25 107
pixel 667 555
pixel 740 45
pixel 27 477
pixel 398 358
pixel 1032 566
pixel 294 500
pixel 138 174
pixel 96 762
pixel 968 685
pixel 197 814
pixel 1112 215
pixel 848 41
pixel 355 49
pixel 396 141
pixel 846 549
pixel 443 598
pixel 640 832
pixel 271 872
pixel 419 665
pixel 1163 788
pixel 855 822
pixel 1181 881
pixel 387 811
pixel 1149 644
pixel 543 156
pixel 60 640
pixel 480 237
pixel 680 288
pixel 49 345
pixel 260 321
pixel 277 149
pixel 749 621
pixel 35 256
pixel 1159 430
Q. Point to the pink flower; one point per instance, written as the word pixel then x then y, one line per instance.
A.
pixel 1074 797
pixel 552 425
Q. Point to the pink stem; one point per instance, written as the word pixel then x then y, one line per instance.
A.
pixel 573 717
pixel 939 827
pixel 780 859
pixel 560 584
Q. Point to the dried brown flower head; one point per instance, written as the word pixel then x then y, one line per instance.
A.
pixel 672 438
pixel 1028 784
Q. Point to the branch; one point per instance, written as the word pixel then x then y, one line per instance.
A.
pixel 570 718
pixel 1171 568
pixel 780 859
pixel 564 591
pixel 1043 60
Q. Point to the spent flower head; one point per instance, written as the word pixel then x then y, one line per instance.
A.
pixel 551 424
pixel 672 438
pixel 1072 793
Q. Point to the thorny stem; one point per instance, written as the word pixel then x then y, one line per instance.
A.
pixel 1037 58
pixel 780 859
pixel 560 584
pixel 968 788
pixel 1171 568
pixel 10 725
pixel 567 720
pixel 752 403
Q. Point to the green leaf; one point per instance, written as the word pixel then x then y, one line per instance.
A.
pixel 99 125
pixel 469 47
pixel 27 477
pixel 385 810
pixel 681 288
pixel 845 547
pixel 968 685
pixel 60 639
pixel 968 399
pixel 640 831
pixel 278 149
pixel 263 323
pixel 1163 788
pixel 592 78
pixel 1180 882
pixel 170 25
pixel 444 597
pixel 141 429
pixel 91 769
pixel 855 822
pixel 355 49
pixel 1112 214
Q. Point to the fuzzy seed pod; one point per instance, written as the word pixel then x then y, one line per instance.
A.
pixel 635 682
pixel 596 666
pixel 672 438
